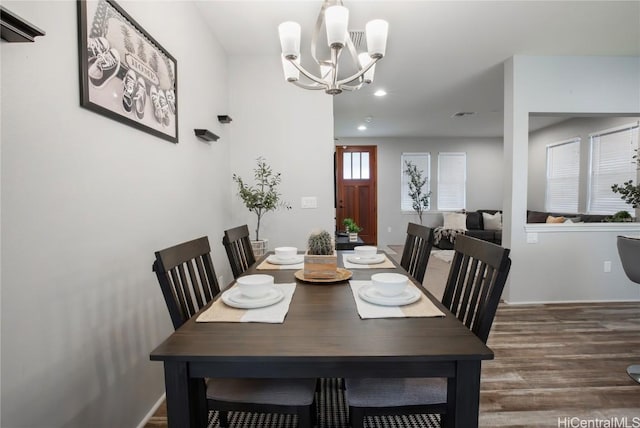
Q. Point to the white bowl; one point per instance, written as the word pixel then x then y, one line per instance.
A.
pixel 255 286
pixel 284 253
pixel 389 284
pixel 366 251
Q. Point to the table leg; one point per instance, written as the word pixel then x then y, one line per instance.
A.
pixel 463 396
pixel 186 397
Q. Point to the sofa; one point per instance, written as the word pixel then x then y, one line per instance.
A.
pixel 475 227
pixel 543 217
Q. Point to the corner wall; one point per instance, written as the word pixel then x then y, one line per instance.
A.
pixel 564 265
pixel 85 203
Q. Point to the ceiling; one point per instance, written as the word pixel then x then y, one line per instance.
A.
pixel 442 57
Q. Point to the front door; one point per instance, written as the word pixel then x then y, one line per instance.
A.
pixel 356 189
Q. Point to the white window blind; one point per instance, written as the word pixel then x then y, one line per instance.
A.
pixel 563 176
pixel 452 181
pixel 423 162
pixel 611 163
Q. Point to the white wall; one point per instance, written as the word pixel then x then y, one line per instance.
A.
pixel 293 129
pixel 571 128
pixel 484 178
pixel 565 265
pixel 85 202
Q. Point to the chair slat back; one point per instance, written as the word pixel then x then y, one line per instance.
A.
pixel 239 251
pixel 478 273
pixel 187 278
pixel 417 248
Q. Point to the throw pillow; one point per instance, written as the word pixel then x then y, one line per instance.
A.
pixel 552 219
pixel 573 220
pixel 492 221
pixel 456 221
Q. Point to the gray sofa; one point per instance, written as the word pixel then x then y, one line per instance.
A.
pixel 475 229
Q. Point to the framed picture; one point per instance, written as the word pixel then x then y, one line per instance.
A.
pixel 124 73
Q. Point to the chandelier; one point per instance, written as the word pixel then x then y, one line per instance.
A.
pixel 335 18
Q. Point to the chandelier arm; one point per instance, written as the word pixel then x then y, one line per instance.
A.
pixel 316 32
pixel 351 88
pixel 314 87
pixel 358 74
pixel 307 74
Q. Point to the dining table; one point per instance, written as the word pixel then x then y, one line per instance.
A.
pixel 323 336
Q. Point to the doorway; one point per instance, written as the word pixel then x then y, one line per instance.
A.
pixel 356 189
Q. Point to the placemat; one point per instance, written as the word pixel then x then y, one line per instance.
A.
pixel 422 308
pixel 265 265
pixel 274 314
pixel 386 264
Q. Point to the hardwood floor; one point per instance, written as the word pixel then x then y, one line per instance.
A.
pixel 561 361
pixel 553 363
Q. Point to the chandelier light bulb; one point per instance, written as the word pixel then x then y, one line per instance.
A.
pixel 376 32
pixel 290 39
pixel 336 22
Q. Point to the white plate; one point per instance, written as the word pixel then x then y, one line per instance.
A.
pixel 292 261
pixel 370 294
pixel 377 259
pixel 234 298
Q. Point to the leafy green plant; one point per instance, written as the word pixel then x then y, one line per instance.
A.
pixel 620 217
pixel 416 191
pixel 263 196
pixel 320 244
pixel 351 226
pixel 629 192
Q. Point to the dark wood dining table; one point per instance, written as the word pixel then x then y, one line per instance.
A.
pixel 322 336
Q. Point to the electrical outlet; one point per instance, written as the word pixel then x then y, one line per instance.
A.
pixel 607 266
pixel 389 229
pixel 532 238
pixel 308 202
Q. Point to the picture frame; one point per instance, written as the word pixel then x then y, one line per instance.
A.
pixel 125 74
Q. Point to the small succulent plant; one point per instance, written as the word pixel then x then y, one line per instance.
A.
pixel 320 243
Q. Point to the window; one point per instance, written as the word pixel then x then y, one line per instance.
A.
pixel 423 162
pixel 563 176
pixel 355 165
pixel 452 181
pixel 612 151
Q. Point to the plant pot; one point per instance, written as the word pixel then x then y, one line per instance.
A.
pixel 260 247
pixel 320 266
pixel 353 237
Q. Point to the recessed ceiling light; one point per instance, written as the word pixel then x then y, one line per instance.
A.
pixel 362 128
pixel 380 93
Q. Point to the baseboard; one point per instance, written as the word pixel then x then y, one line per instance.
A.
pixel 565 302
pixel 152 411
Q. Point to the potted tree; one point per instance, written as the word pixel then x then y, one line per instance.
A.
pixel 261 198
pixel 629 192
pixel 352 228
pixel 416 192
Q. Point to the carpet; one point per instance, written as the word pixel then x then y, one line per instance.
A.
pixel 332 413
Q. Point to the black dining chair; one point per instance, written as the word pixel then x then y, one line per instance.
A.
pixel 188 282
pixel 477 276
pixel 239 251
pixel 417 248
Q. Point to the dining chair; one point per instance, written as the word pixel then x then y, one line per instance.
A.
pixel 239 251
pixel 477 276
pixel 188 282
pixel 629 252
pixel 417 248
